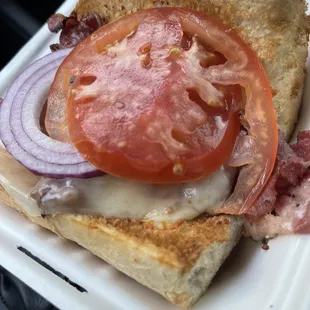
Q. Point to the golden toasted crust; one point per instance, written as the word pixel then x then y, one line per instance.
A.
pixel 181 244
pixel 277 30
pixel 178 262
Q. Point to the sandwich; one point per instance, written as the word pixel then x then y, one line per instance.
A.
pixel 156 132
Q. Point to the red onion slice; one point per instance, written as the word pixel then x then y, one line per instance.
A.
pixel 20 130
pixel 25 120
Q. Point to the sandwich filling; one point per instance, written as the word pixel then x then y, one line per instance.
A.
pixel 109 196
pixel 162 115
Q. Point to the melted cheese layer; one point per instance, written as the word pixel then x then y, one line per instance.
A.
pixel 114 197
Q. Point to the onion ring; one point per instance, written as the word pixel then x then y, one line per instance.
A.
pixel 20 128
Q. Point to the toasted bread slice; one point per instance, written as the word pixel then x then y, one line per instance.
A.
pixel 277 30
pixel 178 263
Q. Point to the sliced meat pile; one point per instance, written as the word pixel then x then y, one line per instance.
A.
pixel 284 206
pixel 73 30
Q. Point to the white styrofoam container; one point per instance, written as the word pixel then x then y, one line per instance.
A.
pixel 250 279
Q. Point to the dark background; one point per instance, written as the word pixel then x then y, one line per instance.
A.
pixel 19 21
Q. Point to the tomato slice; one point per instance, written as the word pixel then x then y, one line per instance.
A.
pixel 137 107
pixel 243 68
pixel 155 95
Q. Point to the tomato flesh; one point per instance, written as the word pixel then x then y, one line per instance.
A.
pixel 138 108
pixel 156 98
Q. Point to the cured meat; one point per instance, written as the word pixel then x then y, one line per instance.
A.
pixel 302 147
pixel 73 30
pixel 265 203
pixel 284 206
pixel 56 22
pixel 291 214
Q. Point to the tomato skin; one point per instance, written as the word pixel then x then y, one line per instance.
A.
pixel 179 154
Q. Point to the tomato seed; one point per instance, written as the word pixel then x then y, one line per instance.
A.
pixel 178 169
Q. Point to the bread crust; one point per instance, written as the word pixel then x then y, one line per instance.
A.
pixel 277 30
pixel 179 263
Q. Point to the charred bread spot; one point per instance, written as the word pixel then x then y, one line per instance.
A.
pixel 160 3
pixel 55 47
pixel 296 88
pixel 274 92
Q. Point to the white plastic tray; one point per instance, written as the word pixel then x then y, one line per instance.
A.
pixel 251 278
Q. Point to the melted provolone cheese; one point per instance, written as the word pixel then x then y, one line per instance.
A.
pixel 17 181
pixel 114 197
